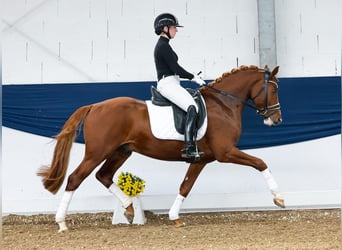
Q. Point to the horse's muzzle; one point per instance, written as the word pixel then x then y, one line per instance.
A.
pixel 271 121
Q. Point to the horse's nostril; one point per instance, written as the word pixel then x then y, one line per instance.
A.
pixel 278 121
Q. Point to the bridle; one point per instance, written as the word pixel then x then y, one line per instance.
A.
pixel 265 111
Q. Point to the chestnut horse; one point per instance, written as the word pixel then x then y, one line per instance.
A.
pixel 115 128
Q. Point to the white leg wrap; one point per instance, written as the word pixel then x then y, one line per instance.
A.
pixel 124 198
pixel 174 210
pixel 272 184
pixel 62 210
pixel 63 206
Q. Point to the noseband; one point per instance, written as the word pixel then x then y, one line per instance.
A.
pixel 265 110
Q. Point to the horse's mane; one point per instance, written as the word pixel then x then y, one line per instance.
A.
pixel 235 70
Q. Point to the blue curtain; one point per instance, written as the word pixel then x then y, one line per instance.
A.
pixel 311 108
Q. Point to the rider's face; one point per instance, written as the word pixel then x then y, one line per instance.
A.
pixel 172 31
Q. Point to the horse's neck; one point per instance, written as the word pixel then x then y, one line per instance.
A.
pixel 236 85
pixel 224 101
pixel 235 92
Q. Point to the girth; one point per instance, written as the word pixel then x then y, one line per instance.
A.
pixel 179 114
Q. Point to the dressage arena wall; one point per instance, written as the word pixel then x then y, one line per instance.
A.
pixel 59 54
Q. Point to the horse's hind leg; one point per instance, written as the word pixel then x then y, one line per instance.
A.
pixel 105 176
pixel 74 180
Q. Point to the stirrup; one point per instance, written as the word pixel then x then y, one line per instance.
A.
pixel 191 153
pixel 194 158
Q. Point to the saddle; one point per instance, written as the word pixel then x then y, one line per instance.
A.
pixel 179 114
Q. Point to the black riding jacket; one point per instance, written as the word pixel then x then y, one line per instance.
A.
pixel 166 61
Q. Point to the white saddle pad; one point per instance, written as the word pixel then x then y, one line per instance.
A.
pixel 163 126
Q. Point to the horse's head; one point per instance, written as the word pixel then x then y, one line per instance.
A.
pixel 264 95
pixel 262 90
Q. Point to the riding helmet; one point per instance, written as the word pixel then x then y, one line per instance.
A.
pixel 165 19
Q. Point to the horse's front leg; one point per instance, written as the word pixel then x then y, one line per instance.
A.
pixel 239 157
pixel 190 177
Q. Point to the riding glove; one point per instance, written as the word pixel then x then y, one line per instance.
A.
pixel 197 79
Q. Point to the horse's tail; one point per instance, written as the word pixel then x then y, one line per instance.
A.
pixel 54 175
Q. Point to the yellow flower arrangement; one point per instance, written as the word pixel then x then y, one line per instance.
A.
pixel 130 184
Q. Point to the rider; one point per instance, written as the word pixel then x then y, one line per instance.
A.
pixel 169 73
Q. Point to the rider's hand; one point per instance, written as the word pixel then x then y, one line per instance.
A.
pixel 197 79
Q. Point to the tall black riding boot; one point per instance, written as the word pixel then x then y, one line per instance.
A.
pixel 190 150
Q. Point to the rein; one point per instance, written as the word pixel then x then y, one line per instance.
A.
pixel 233 97
pixel 260 111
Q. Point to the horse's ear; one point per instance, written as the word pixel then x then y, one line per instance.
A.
pixel 275 71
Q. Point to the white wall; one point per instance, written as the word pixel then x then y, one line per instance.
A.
pixel 113 40
pixel 309 35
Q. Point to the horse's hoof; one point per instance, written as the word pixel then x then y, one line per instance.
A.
pixel 129 213
pixel 279 202
pixel 179 223
pixel 129 217
pixel 63 230
pixel 62 227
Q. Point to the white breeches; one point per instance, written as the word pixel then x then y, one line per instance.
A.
pixel 171 89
